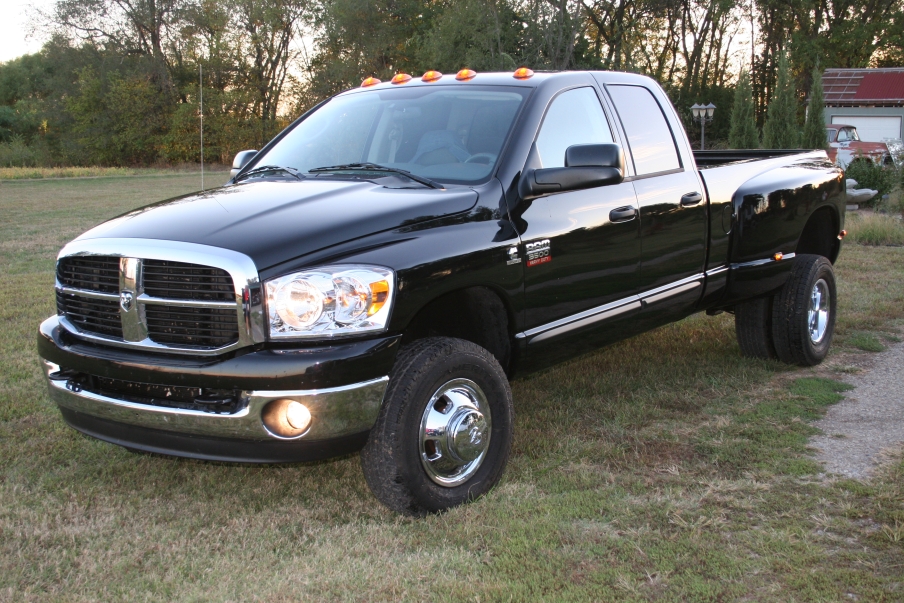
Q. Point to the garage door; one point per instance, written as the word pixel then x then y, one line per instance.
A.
pixel 872 128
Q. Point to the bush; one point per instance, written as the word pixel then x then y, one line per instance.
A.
pixel 874 176
pixel 17 153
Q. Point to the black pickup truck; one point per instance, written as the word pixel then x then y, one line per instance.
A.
pixel 376 274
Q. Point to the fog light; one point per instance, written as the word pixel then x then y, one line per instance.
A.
pixel 286 418
pixel 298 415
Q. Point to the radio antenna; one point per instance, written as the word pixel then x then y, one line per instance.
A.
pixel 201 82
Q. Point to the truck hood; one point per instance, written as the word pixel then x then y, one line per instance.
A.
pixel 276 221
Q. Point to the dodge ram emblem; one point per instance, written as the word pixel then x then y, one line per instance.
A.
pixel 126 299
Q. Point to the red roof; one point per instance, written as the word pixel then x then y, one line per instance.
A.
pixel 864 86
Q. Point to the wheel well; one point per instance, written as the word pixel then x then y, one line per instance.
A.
pixel 820 235
pixel 476 314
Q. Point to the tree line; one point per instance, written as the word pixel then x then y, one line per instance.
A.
pixel 118 81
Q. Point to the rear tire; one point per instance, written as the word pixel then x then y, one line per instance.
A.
pixel 444 432
pixel 803 313
pixel 753 328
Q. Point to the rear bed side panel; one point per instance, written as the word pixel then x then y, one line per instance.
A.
pixel 763 216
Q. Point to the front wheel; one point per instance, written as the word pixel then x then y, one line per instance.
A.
pixel 803 313
pixel 444 432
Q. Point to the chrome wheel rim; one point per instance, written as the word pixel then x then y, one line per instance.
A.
pixel 818 313
pixel 455 432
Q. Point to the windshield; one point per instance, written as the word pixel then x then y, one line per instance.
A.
pixel 450 134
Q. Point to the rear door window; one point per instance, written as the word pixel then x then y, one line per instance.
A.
pixel 574 117
pixel 649 136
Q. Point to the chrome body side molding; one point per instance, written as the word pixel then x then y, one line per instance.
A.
pixel 610 310
pixel 763 261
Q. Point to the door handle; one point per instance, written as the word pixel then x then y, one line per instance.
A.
pixel 622 214
pixel 691 199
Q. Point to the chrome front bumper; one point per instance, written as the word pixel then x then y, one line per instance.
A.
pixel 336 412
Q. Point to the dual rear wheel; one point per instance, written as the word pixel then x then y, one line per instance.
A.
pixel 795 325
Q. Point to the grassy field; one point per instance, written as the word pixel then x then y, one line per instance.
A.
pixel 665 468
pixel 37 173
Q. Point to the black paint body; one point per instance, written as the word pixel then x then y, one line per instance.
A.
pixel 439 242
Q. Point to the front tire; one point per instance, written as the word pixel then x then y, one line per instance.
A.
pixel 803 313
pixel 444 432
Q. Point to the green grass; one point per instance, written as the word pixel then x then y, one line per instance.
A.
pixel 875 229
pixel 868 342
pixel 664 468
pixel 34 173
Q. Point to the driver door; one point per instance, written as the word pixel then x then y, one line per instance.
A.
pixel 581 249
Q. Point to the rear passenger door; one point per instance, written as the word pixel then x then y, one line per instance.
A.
pixel 671 199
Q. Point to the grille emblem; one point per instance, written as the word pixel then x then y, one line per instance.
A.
pixel 126 300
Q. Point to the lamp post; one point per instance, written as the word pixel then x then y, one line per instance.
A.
pixel 703 114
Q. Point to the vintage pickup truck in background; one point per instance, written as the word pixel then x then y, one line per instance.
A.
pixel 845 146
pixel 376 274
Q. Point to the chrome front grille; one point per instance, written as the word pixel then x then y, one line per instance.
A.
pixel 178 280
pixel 90 273
pixel 91 315
pixel 148 298
pixel 200 327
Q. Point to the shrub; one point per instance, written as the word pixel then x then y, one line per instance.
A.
pixel 16 153
pixel 874 176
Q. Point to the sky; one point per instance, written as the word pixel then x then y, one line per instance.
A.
pixel 14 28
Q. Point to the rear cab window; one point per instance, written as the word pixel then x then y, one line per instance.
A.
pixel 650 139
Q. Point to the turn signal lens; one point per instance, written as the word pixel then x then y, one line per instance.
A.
pixel 371 81
pixel 431 76
pixel 778 256
pixel 286 418
pixel 465 75
pixel 523 73
pixel 379 295
pixel 400 78
pixel 842 234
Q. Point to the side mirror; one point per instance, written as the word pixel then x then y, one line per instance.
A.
pixel 241 160
pixel 586 166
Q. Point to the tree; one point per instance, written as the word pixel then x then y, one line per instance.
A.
pixel 743 134
pixel 781 130
pixel 815 126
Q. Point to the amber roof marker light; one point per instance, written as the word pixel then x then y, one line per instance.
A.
pixel 431 76
pixel 522 73
pixel 370 81
pixel 400 78
pixel 465 74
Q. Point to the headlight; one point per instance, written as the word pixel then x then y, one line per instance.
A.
pixel 328 301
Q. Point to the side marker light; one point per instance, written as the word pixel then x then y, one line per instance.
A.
pixel 465 75
pixel 842 234
pixel 371 81
pixel 400 78
pixel 523 73
pixel 431 76
pixel 778 256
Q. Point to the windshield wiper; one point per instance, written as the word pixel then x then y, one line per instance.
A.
pixel 271 168
pixel 373 167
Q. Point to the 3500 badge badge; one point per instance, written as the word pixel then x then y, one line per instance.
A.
pixel 538 253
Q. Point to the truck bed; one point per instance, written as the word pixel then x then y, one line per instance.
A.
pixel 709 159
